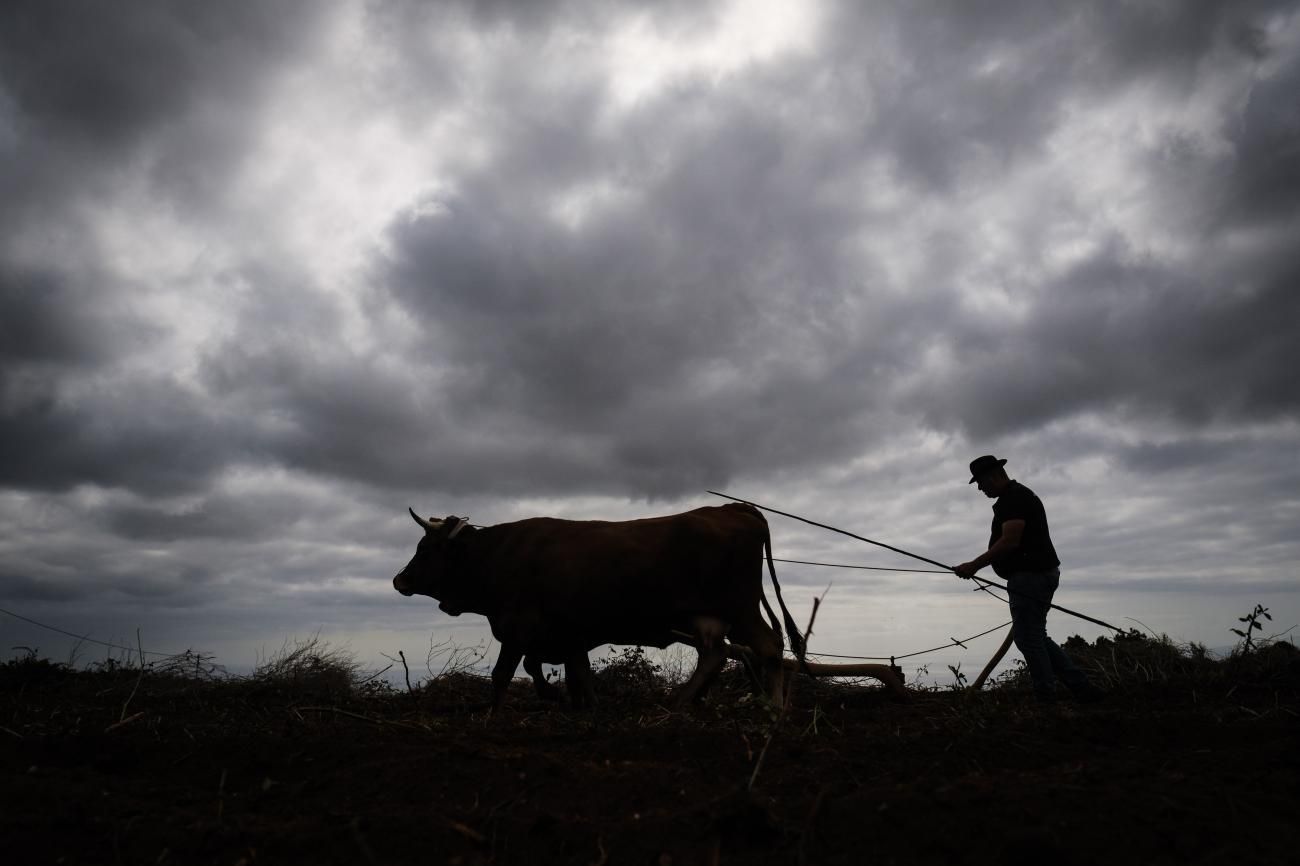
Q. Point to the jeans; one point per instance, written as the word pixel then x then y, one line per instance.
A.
pixel 1031 593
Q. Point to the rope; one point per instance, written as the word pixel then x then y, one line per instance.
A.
pixel 1002 586
pixel 955 642
pixel 88 639
pixel 866 567
pixel 946 568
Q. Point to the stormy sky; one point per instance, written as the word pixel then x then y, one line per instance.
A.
pixel 270 272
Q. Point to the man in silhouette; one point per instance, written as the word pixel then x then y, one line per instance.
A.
pixel 1021 552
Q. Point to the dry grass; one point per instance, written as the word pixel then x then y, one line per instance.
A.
pixel 309 668
pixel 629 683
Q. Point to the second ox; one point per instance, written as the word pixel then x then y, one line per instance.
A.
pixel 553 589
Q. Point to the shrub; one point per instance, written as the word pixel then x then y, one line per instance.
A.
pixel 627 671
pixel 1134 657
pixel 29 670
pixel 309 668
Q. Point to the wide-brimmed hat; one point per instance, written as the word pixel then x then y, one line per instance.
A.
pixel 980 465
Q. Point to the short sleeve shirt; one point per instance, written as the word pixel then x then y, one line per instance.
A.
pixel 1035 552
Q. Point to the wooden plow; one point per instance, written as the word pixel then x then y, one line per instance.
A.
pixel 889 674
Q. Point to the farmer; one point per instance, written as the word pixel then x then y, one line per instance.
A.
pixel 1021 552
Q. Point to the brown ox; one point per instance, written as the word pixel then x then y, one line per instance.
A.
pixel 553 589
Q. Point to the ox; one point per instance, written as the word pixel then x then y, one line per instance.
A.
pixel 554 589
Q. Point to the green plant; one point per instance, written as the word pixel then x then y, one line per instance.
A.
pixel 627 670
pixel 1136 657
pixel 1252 625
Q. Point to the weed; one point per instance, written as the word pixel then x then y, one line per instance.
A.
pixel 190 664
pixel 452 658
pixel 1252 625
pixel 309 667
pixel 32 670
pixel 625 671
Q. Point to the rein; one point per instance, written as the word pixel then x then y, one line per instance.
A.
pixel 985 583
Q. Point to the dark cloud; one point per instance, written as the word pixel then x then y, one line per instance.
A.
pixel 648 301
pixel 1203 336
pixel 94 100
pixel 92 92
pixel 1117 334
pixel 22 586
pixel 670 333
pixel 87 76
pixel 150 436
pixel 244 518
pixel 336 414
pixel 831 275
pixel 1265 176
pixel 49 322
pixel 722 257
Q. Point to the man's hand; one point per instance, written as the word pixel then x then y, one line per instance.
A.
pixel 1009 540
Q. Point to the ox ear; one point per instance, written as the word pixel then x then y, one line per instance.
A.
pixel 426 525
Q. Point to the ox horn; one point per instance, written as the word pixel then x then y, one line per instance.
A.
pixel 426 525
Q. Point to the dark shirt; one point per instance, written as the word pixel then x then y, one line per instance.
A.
pixel 1035 552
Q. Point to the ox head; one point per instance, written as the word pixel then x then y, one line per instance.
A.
pixel 428 572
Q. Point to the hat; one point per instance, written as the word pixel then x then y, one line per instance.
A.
pixel 980 465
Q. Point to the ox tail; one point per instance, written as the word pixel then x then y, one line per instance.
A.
pixel 796 639
pixel 771 617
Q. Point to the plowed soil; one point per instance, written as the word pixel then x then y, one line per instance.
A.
pixel 115 768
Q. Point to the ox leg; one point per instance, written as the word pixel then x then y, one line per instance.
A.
pixel 710 663
pixel 767 650
pixel 503 672
pixel 545 690
pixel 709 633
pixel 577 674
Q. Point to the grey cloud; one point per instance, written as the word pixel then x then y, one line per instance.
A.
pixel 431 64
pixel 1119 334
pixel 958 92
pixel 218 517
pixel 49 321
pixel 762 276
pixel 78 563
pixel 22 587
pixel 1202 336
pixel 1265 175
pixel 304 402
pixel 88 74
pixel 724 263
pixel 56 333
pixel 94 95
pixel 671 324
pixel 1161 457
pixel 148 436
pixel 412 22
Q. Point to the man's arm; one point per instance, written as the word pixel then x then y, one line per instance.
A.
pixel 1009 540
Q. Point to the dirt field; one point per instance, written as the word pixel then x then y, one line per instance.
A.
pixel 1187 761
